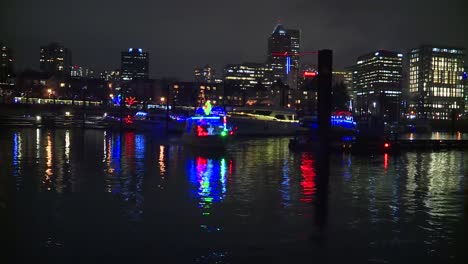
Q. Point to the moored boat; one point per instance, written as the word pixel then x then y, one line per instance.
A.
pixel 208 128
pixel 257 121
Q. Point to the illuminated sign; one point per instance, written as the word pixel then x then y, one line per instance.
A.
pixel 309 74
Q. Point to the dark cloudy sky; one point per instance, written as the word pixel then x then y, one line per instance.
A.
pixel 183 34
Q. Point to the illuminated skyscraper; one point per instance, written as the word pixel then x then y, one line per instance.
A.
pixel 377 84
pixel 283 54
pixel 435 81
pixel 465 85
pixel 134 64
pixel 55 58
pixel 6 63
pixel 246 76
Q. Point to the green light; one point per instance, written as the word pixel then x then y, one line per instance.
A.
pixel 223 133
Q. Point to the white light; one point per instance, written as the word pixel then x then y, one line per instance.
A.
pixel 105 114
pixel 376 54
pixel 67 113
pixel 38 118
pixel 400 55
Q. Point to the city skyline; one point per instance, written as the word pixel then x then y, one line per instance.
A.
pixel 180 40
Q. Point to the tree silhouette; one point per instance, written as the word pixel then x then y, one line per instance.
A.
pixel 340 96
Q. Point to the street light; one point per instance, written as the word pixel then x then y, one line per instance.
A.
pixel 162 100
pixel 49 91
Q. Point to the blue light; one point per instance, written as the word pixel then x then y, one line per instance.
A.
pixel 205 117
pixel 218 110
pixel 288 64
pixel 141 113
pixel 464 76
pixel 130 49
pixel 140 50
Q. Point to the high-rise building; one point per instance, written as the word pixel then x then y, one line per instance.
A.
pixel 206 74
pixel 377 84
pixel 246 76
pixel 435 81
pixel 6 63
pixel 134 64
pixel 465 85
pixel 55 58
pixel 283 54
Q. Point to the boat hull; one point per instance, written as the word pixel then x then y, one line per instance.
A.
pixel 255 127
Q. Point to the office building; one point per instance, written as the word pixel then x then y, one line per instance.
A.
pixel 134 64
pixel 206 74
pixel 247 77
pixel 79 72
pixel 283 55
pixel 465 86
pixel 55 59
pixel 6 64
pixel 377 85
pixel 345 77
pixel 435 81
pixel 196 93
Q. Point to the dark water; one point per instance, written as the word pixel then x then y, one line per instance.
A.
pixel 102 197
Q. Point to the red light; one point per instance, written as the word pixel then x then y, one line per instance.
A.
pixel 231 133
pixel 309 74
pixel 128 120
pixel 130 100
pixel 386 145
pixel 201 132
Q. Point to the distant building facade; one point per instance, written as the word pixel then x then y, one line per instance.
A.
pixel 377 85
pixel 465 86
pixel 247 79
pixel 283 55
pixel 134 64
pixel 79 72
pixel 196 93
pixel 6 64
pixel 55 59
pixel 111 75
pixel 435 81
pixel 207 74
pixel 346 77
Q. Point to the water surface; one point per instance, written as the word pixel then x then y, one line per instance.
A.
pixel 91 195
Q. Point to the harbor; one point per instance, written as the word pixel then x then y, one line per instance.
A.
pixel 84 193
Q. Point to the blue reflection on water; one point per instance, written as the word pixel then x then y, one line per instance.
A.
pixel 209 179
pixel 17 152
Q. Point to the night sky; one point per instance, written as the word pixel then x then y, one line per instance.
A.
pixel 181 35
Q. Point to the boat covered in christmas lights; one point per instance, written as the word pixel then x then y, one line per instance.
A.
pixel 208 128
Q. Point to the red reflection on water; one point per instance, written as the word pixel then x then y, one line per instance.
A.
pixel 130 144
pixel 308 177
pixel 201 163
pixel 230 167
pixel 385 161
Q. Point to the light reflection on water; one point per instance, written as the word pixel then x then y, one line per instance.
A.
pixel 257 199
pixel 435 135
